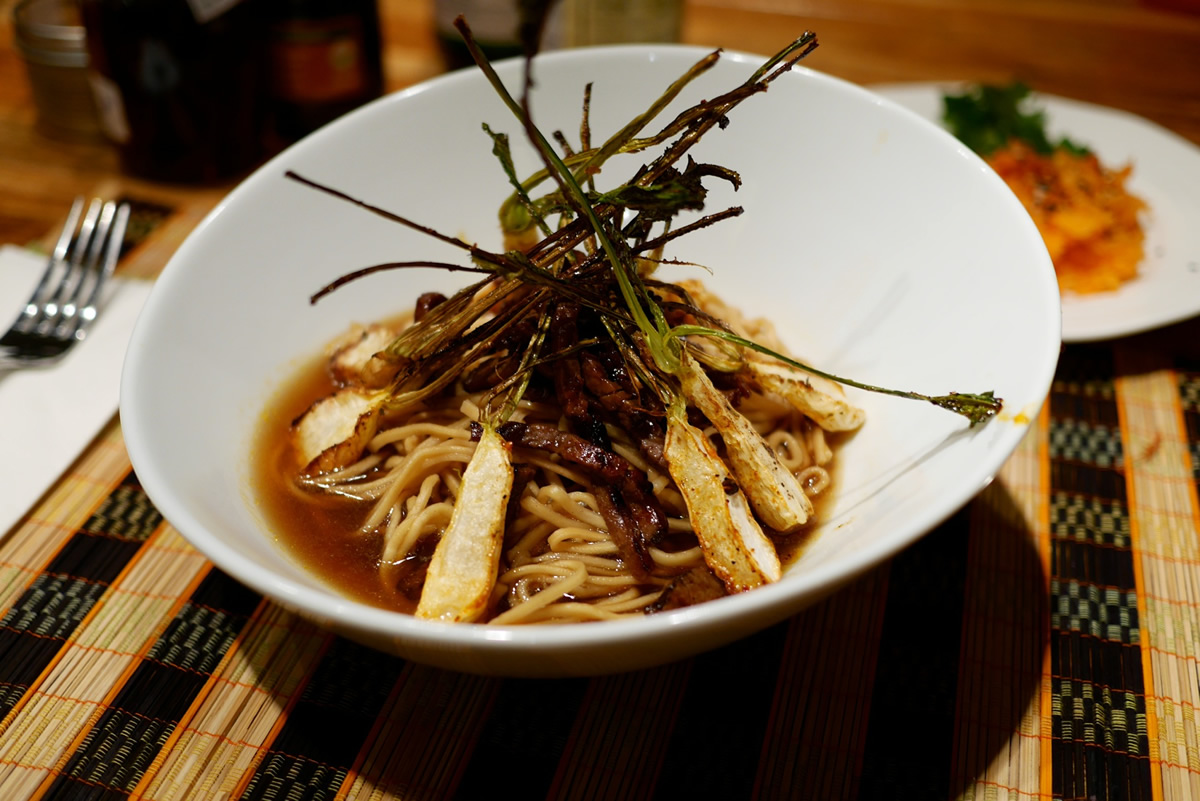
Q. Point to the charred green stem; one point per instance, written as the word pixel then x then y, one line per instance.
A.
pixel 976 407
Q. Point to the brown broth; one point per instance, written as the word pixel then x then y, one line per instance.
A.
pixel 319 531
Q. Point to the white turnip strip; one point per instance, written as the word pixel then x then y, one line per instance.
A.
pixel 335 430
pixel 805 393
pixel 352 354
pixel 734 547
pixel 464 565
pixel 773 490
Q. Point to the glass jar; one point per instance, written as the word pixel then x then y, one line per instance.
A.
pixel 51 40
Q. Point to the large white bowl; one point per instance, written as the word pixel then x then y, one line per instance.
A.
pixel 882 248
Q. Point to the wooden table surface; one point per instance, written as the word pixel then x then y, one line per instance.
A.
pixel 1129 54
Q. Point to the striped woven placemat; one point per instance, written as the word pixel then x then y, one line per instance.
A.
pixel 1041 643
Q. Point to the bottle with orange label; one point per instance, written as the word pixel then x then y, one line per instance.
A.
pixel 325 60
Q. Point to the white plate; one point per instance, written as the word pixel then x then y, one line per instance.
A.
pixel 1166 174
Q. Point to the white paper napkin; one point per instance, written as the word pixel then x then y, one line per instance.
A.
pixel 48 415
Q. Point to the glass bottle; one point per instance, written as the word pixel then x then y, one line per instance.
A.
pixel 178 85
pixel 325 60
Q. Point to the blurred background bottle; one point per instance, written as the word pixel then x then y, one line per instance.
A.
pixel 325 60
pixel 493 25
pixel 571 23
pixel 179 84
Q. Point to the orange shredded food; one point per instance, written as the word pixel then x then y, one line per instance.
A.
pixel 1086 217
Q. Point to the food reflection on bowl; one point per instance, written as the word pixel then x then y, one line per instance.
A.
pixel 879 247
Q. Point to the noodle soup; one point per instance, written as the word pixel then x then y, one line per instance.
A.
pixel 370 530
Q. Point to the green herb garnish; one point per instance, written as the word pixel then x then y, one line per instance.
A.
pixel 986 117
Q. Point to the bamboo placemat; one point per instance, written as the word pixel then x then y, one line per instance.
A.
pixel 1041 644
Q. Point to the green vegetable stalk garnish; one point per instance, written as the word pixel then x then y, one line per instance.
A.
pixel 595 251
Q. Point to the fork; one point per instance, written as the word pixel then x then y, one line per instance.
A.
pixel 64 304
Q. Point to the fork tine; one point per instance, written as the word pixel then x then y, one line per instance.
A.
pixel 68 230
pixel 54 319
pixel 82 262
pixel 52 308
pixel 41 291
pixel 112 252
pixel 87 268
